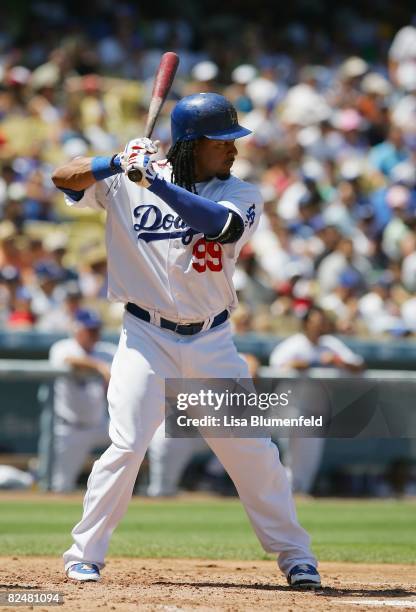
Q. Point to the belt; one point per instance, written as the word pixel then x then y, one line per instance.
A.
pixel 187 329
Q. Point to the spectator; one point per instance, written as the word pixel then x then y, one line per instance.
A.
pixel 93 273
pixel 56 248
pixel 47 293
pixel 408 266
pixel 9 283
pixel 343 258
pixel 242 320
pixel 402 49
pixel 60 318
pixel 312 347
pixel 21 314
pixel 379 310
pixel 342 302
pixel 332 142
pixel 397 230
pixel 9 252
pixel 80 406
pixel 385 156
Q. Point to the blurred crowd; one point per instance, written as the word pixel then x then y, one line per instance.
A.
pixel 333 150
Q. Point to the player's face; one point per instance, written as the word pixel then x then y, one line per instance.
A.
pixel 214 158
pixel 87 337
pixel 315 325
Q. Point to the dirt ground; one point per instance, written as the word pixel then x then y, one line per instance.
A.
pixel 188 584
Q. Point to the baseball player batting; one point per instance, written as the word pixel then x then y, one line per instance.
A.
pixel 172 242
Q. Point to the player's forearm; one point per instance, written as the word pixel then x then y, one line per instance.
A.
pixel 353 367
pixel 82 172
pixel 76 174
pixel 298 364
pixel 84 363
pixel 201 214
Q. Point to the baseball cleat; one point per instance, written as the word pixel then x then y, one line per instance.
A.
pixel 84 572
pixel 304 576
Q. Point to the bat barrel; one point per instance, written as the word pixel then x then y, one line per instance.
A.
pixel 162 84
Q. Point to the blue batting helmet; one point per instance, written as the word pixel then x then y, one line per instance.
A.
pixel 88 318
pixel 205 114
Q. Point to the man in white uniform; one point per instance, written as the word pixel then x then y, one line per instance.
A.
pixel 168 456
pixel 80 406
pixel 172 241
pixel 313 347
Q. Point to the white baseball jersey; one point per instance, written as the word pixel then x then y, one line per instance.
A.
pixel 156 261
pixel 300 347
pixel 79 400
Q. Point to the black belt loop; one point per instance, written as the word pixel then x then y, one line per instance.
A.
pixel 185 329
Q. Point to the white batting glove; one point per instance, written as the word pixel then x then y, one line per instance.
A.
pixel 137 155
pixel 143 163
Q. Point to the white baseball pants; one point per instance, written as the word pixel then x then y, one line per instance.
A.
pixel 168 458
pixel 145 357
pixel 72 446
pixel 303 461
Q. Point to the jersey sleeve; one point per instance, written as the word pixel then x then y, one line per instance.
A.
pixel 59 353
pixel 56 355
pixel 343 351
pixel 105 351
pixel 285 352
pixel 94 197
pixel 247 202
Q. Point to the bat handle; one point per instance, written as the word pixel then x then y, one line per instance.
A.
pixel 135 175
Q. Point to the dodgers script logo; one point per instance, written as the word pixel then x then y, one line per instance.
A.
pixel 250 215
pixel 153 225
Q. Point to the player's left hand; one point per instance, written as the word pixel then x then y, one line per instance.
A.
pixel 142 162
pixel 137 156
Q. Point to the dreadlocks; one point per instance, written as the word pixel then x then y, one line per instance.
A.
pixel 181 156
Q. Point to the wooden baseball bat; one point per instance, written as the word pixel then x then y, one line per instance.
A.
pixel 162 84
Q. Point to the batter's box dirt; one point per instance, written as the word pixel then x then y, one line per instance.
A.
pixel 189 584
